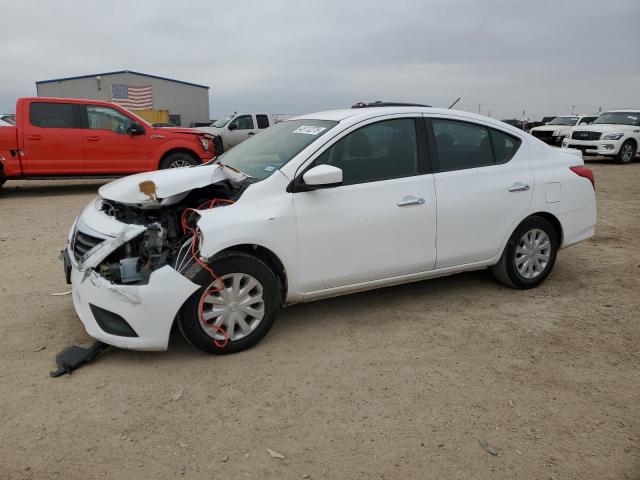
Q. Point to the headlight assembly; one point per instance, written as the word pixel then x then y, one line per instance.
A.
pixel 613 136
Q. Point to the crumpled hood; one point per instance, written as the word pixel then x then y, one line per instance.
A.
pixel 192 131
pixel 155 189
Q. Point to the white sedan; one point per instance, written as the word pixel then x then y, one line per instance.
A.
pixel 317 206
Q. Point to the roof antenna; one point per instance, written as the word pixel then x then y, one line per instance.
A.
pixel 454 103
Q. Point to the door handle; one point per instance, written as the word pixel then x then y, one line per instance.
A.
pixel 251 133
pixel 34 137
pixel 92 138
pixel 519 187
pixel 410 200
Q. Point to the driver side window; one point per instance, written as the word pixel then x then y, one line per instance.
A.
pixel 105 118
pixel 379 151
pixel 243 122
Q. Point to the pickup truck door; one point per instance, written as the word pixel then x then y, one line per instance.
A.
pixel 239 129
pixel 52 139
pixel 108 145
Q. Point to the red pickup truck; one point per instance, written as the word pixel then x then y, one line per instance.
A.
pixel 72 138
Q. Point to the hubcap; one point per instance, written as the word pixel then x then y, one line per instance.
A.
pixel 627 152
pixel 237 308
pixel 533 253
pixel 179 163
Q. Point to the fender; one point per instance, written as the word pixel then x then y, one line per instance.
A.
pixel 159 151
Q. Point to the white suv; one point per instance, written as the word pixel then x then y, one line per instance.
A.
pixel 557 129
pixel 614 134
pixel 317 206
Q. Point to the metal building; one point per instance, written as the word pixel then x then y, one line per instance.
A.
pixel 156 99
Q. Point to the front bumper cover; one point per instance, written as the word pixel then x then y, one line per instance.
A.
pixel 593 147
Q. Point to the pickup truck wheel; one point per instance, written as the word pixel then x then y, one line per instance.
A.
pixel 236 315
pixel 626 153
pixel 530 254
pixel 178 160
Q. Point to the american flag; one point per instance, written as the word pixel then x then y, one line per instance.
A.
pixel 133 98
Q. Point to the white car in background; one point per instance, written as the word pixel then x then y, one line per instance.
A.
pixel 321 205
pixel 4 123
pixel 613 134
pixel 557 129
pixel 238 127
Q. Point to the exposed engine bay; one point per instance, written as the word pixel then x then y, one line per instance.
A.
pixel 171 236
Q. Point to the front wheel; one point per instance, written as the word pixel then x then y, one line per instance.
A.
pixel 177 160
pixel 626 153
pixel 235 312
pixel 529 255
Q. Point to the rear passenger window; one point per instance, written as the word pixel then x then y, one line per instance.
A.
pixel 461 145
pixel 263 121
pixel 505 146
pixel 52 115
pixel 379 151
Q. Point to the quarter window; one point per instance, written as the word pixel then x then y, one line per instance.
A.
pixel 263 121
pixel 243 122
pixel 53 115
pixel 379 151
pixel 505 146
pixel 106 118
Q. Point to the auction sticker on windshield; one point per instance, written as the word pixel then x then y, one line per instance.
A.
pixel 309 130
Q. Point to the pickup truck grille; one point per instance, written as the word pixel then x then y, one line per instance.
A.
pixel 542 134
pixel 83 242
pixel 581 135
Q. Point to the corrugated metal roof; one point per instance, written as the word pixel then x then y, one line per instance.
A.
pixel 120 72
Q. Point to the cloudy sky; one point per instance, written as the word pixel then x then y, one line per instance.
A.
pixel 296 56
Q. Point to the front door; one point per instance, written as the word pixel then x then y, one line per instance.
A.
pixel 108 146
pixel 484 183
pixel 380 223
pixel 241 128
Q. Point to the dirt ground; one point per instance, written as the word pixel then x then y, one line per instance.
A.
pixel 403 382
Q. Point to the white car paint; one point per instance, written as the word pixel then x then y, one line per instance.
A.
pixel 344 239
pixel 5 124
pixel 603 145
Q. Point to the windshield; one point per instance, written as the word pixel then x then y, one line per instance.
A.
pixel 223 121
pixel 619 118
pixel 564 121
pixel 273 147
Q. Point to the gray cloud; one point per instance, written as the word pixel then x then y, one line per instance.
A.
pixel 297 56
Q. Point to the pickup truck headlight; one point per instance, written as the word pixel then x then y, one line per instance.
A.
pixel 207 142
pixel 613 136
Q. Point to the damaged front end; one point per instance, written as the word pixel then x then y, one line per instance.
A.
pixel 159 221
pixel 128 249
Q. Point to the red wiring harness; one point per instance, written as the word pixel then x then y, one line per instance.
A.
pixel 218 284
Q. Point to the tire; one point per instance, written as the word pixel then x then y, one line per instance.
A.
pixel 626 153
pixel 506 270
pixel 179 159
pixel 230 264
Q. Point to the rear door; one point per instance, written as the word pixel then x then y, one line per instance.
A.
pixel 239 129
pixel 483 182
pixel 108 145
pixel 52 139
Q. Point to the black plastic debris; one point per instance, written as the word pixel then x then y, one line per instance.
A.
pixel 75 356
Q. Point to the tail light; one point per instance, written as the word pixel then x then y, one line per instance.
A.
pixel 584 172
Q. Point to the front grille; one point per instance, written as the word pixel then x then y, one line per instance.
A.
pixel 542 134
pixel 83 242
pixel 584 135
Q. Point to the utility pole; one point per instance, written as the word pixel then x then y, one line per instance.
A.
pixel 573 109
pixel 479 108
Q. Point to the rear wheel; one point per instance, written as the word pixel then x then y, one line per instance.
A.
pixel 626 153
pixel 235 312
pixel 178 159
pixel 530 254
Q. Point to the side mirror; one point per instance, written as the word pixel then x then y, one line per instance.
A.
pixel 135 129
pixel 233 126
pixel 321 176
